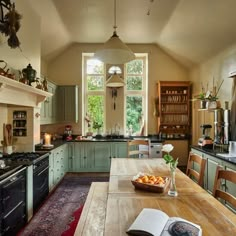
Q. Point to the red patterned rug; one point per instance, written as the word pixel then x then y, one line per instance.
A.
pixel 60 213
pixel 73 224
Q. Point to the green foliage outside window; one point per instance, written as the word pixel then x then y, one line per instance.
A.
pixel 96 111
pixel 133 112
pixel 134 103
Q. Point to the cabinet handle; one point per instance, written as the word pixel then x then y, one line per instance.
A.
pixel 84 157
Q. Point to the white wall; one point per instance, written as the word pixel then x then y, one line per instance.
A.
pixel 29 37
pixel 29 52
pixel 218 68
pixel 67 69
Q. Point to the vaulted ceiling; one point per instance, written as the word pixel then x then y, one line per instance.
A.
pixel 191 31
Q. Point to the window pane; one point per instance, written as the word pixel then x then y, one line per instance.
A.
pixel 95 83
pixel 96 111
pixel 135 67
pixel 134 113
pixel 95 66
pixel 134 82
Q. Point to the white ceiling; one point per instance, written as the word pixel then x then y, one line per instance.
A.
pixel 191 31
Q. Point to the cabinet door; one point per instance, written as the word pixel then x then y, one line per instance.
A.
pixel 211 171
pixel 71 156
pixel 229 186
pixel 48 107
pixel 181 151
pixel 68 103
pixel 51 172
pixel 80 160
pixel 57 166
pixel 102 159
pixel 119 150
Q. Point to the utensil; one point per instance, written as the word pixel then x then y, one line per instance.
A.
pixel 5 135
pixel 9 134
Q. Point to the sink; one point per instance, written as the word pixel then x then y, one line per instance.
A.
pixel 227 155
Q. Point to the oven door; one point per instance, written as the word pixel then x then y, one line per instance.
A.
pixel 13 203
pixel 40 184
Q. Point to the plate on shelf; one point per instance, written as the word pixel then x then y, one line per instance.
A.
pixel 158 187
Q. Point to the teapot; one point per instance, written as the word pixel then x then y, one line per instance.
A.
pixel 29 73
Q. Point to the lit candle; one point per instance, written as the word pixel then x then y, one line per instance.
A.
pixel 47 139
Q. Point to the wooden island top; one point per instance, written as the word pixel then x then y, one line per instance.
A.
pixel 112 207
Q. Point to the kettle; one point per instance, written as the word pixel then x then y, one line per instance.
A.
pixel 29 73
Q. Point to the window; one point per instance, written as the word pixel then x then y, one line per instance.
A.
pixel 94 94
pixel 136 96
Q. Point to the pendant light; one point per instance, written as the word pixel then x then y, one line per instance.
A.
pixel 114 51
pixel 115 81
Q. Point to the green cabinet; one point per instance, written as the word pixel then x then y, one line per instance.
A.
pixel 48 113
pixel 102 156
pixel 94 156
pixel 67 100
pixel 210 171
pixel 58 165
pixel 91 157
pixel 119 150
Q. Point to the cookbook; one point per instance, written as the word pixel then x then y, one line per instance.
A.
pixel 153 222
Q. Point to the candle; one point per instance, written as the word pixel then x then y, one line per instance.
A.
pixel 47 139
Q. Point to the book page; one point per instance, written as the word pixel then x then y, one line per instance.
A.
pixel 178 219
pixel 151 221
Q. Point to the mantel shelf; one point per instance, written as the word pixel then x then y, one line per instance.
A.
pixel 16 93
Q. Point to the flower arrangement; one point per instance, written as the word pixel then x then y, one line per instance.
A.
pixel 167 148
pixel 173 165
pixel 209 95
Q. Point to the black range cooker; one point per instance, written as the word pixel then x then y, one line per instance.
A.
pixel 12 198
pixel 40 163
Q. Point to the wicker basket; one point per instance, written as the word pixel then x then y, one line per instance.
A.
pixel 156 188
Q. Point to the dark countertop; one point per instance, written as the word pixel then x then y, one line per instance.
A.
pixel 215 153
pixel 59 142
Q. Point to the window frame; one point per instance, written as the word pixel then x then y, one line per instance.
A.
pixel 86 93
pixel 143 93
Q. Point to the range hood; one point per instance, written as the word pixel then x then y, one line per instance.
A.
pixel 16 93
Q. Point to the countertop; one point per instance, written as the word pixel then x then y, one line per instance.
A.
pixel 215 153
pixel 59 142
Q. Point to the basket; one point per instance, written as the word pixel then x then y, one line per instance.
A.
pixel 156 188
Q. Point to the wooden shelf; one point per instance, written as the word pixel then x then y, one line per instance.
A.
pixel 174 107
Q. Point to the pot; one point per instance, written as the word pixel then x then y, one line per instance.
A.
pixel 29 73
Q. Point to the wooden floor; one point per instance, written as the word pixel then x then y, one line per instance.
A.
pixel 91 174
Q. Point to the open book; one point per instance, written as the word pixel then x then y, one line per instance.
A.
pixel 153 222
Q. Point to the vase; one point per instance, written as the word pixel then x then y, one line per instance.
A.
pixel 173 190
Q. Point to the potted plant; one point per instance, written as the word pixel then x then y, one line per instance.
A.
pixel 97 125
pixel 202 100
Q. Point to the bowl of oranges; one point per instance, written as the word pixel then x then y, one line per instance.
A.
pixel 150 182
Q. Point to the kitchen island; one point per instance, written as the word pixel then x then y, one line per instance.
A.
pixel 122 203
